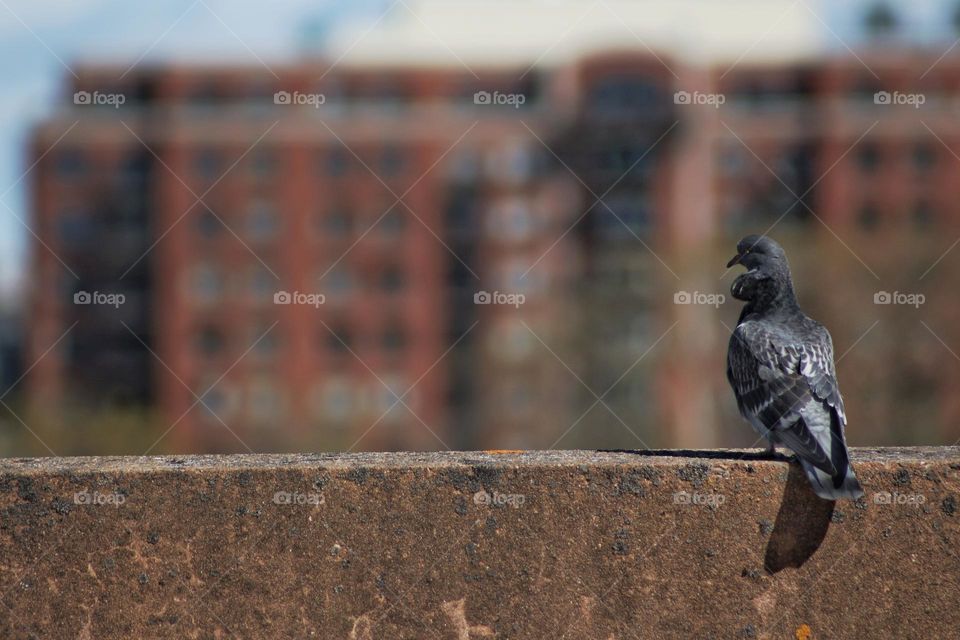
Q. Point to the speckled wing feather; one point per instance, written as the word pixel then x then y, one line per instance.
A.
pixel 785 386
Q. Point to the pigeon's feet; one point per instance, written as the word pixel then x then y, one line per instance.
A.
pixel 771 453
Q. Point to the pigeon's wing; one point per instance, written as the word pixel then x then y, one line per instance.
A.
pixel 816 364
pixel 786 384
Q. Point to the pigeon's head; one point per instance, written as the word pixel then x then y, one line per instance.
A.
pixel 758 252
pixel 767 280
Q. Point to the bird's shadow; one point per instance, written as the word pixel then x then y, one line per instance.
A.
pixel 801 525
pixel 802 521
pixel 710 454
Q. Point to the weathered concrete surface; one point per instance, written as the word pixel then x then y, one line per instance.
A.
pixel 570 544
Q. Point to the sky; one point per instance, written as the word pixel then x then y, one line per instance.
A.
pixel 41 40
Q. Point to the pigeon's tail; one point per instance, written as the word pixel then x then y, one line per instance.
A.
pixel 843 485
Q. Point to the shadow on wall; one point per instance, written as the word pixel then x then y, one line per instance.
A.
pixel 801 525
pixel 802 521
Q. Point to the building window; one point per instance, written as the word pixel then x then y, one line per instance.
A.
pixel 214 401
pixel 924 157
pixel 465 166
pixel 510 163
pixel 338 339
pixel 70 164
pixel 923 215
pixel 208 226
pixel 76 228
pixel 337 283
pixel 337 161
pixel 511 341
pixel 391 161
pixel 208 164
pixel 206 283
pixel 868 217
pixel 218 400
pixel 512 219
pixel 262 220
pixel 394 338
pixel 733 161
pixel 459 213
pixel 263 164
pixel 209 340
pixel 623 217
pixel 333 400
pixel 393 223
pixel 390 398
pixel 134 171
pixel 337 221
pixel 262 284
pixel 205 93
pixel 265 342
pixel 868 157
pixel 624 94
pixel 259 93
pixel 130 209
pixel 512 275
pixel 391 280
pixel 620 159
pixel 266 404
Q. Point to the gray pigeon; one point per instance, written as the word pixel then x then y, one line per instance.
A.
pixel 780 365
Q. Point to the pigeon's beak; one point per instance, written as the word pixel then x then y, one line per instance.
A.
pixel 734 260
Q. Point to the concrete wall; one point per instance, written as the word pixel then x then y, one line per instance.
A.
pixel 460 546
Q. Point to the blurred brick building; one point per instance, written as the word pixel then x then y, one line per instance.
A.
pixel 400 194
pixel 207 193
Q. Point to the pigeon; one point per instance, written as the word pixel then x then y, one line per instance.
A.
pixel 780 365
